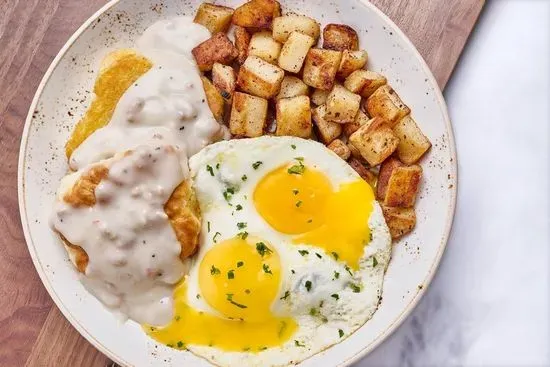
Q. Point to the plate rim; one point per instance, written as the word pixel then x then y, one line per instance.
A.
pixel 390 329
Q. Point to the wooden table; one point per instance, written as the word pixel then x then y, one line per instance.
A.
pixel 32 331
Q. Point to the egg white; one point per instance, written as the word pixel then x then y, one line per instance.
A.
pixel 351 311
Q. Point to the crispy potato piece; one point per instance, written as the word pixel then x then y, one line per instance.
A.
pixel 412 142
pixel 294 51
pixel 326 130
pixel 351 61
pixel 242 41
pixel 215 18
pixel 319 96
pixel 403 186
pixel 385 103
pixel 360 119
pixel 363 171
pixel 223 78
pixel 214 99
pixel 321 67
pixel 294 117
pixel 264 46
pixel 248 115
pixel 400 221
pixel 119 70
pixel 375 140
pixel 340 37
pixel 260 78
pixel 292 86
pixel 386 169
pixel 257 14
pixel 355 153
pixel 285 25
pixel 217 48
pixel 340 148
pixel 342 105
pixel 364 82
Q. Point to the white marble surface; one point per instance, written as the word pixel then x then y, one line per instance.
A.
pixel 489 302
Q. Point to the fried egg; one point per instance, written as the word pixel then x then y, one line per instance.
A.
pixel 293 253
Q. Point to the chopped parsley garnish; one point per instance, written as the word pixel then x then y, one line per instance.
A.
pixel 341 332
pixel 292 271
pixel 318 255
pixel 230 299
pixel 244 178
pixel 303 252
pixel 313 311
pixel 266 269
pixel 298 344
pixel 242 235
pixel 374 261
pixel 241 225
pixel 263 249
pixel 239 207
pixel 257 164
pixel 198 296
pixel 348 270
pixel 282 329
pixel 209 169
pixel 180 344
pixel 231 274
pixel 214 270
pixel 239 264
pixel 336 275
pixel 177 318
pixel 308 285
pixel 218 165
pixel 299 159
pixel 335 296
pixel 228 194
pixel 247 291
pixel 370 236
pixel 287 294
pixel 297 169
pixel 299 203
pixel 295 192
pixel 335 255
pixel 310 220
pixel 215 238
pixel 293 146
pixel 355 288
pixel 262 348
pixel 208 225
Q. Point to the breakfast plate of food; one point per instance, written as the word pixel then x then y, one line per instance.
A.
pixel 253 183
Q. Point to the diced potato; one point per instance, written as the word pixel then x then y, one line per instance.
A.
pixel 292 87
pixel 294 117
pixel 342 105
pixel 400 221
pixel 242 41
pixel 214 99
pixel 217 48
pixel 355 153
pixel 375 141
pixel 321 67
pixel 257 14
pixel 340 37
pixel 285 25
pixel 386 169
pixel 326 130
pixel 351 61
pixel 362 171
pixel 340 148
pixel 412 142
pixel 264 46
pixel 215 18
pixel 360 119
pixel 248 115
pixel 385 103
pixel 364 82
pixel 319 96
pixel 403 186
pixel 223 78
pixel 294 51
pixel 260 78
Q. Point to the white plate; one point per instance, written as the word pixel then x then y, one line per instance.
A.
pixel 65 92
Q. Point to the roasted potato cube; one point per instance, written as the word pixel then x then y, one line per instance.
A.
pixel 285 25
pixel 364 82
pixel 223 78
pixel 360 119
pixel 412 142
pixel 342 105
pixel 321 67
pixel 340 37
pixel 403 186
pixel 214 99
pixel 294 117
pixel 326 130
pixel 257 14
pixel 248 115
pixel 355 153
pixel 242 41
pixel 400 221
pixel 362 171
pixel 260 78
pixel 385 103
pixel 386 169
pixel 340 148
pixel 375 141
pixel 319 96
pixel 217 48
pixel 264 46
pixel 351 61
pixel 292 87
pixel 215 18
pixel 294 51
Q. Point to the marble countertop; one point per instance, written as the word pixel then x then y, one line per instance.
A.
pixel 489 302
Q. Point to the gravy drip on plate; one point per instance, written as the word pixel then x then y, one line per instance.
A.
pixel 165 106
pixel 133 250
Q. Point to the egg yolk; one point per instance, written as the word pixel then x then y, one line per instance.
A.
pixel 299 200
pixel 239 279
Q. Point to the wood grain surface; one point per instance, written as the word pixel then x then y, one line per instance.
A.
pixel 32 330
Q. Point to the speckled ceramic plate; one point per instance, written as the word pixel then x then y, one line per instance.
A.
pixel 65 92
